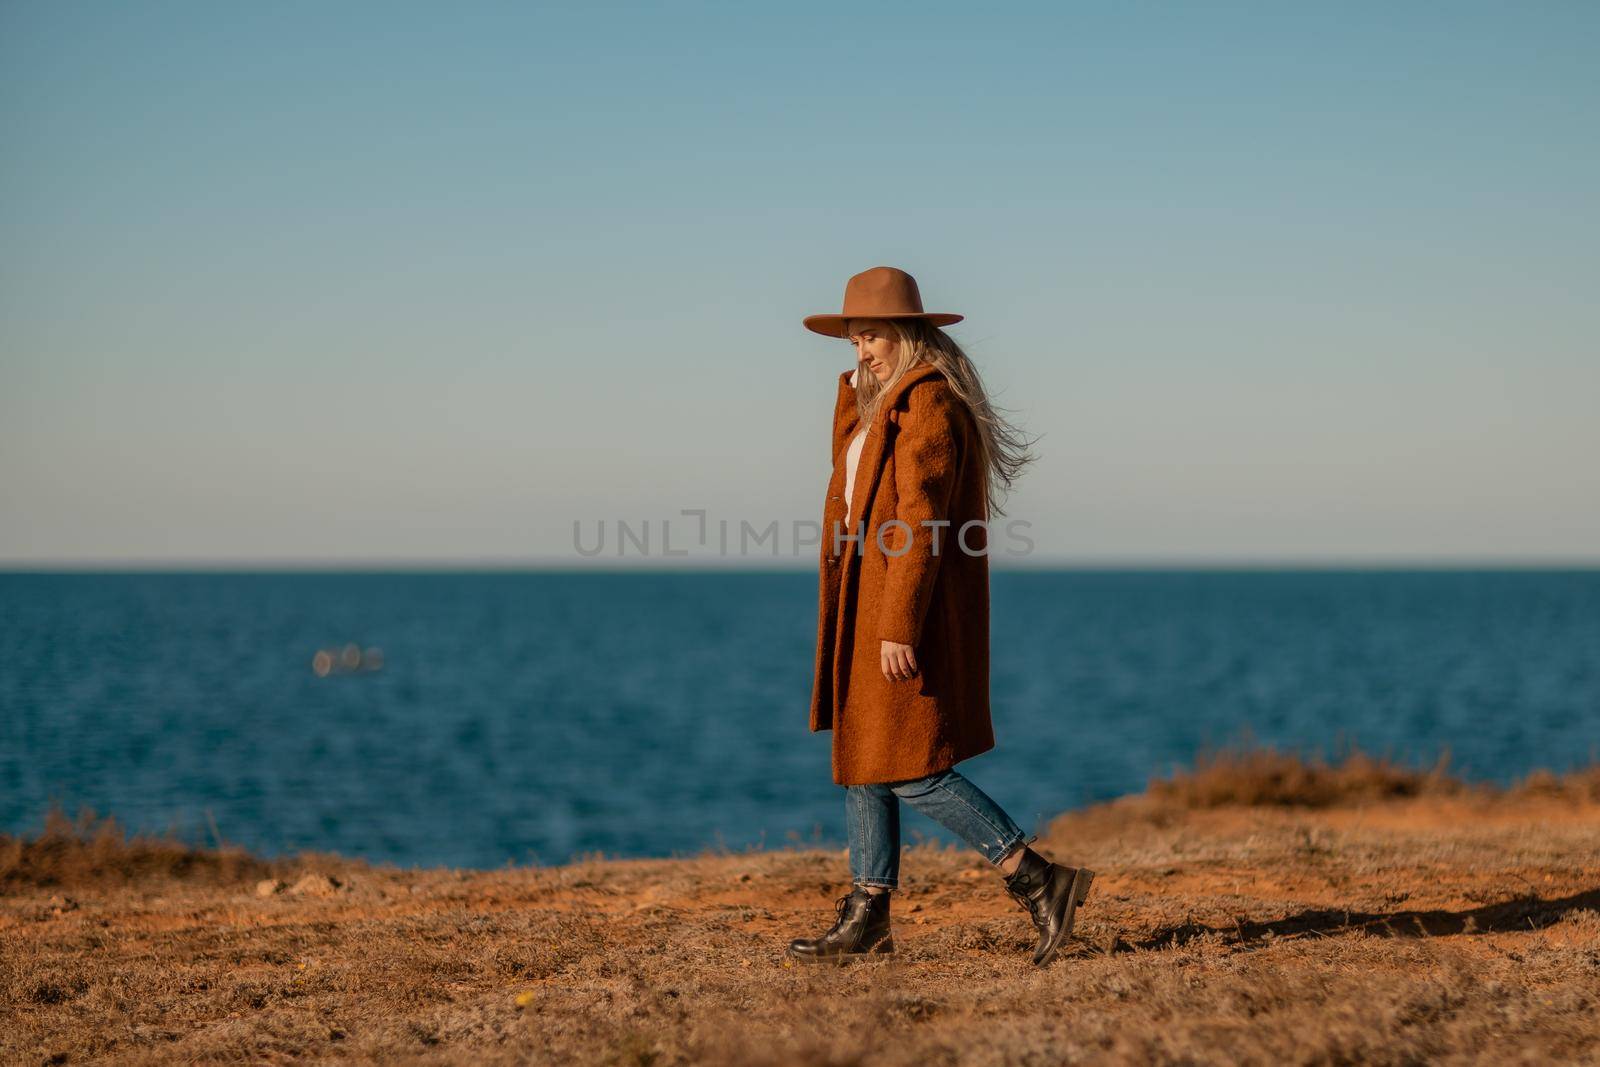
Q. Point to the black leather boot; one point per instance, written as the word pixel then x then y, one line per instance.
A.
pixel 862 929
pixel 1050 894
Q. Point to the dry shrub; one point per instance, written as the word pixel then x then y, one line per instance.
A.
pixel 91 850
pixel 1246 775
pixel 1265 776
pixel 1581 785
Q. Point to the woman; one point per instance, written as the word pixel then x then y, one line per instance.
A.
pixel 902 666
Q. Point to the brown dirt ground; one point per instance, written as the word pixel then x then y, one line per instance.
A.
pixel 1454 926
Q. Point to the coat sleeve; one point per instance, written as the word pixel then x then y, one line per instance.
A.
pixel 845 413
pixel 927 456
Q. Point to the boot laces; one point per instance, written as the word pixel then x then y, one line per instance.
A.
pixel 1025 902
pixel 839 907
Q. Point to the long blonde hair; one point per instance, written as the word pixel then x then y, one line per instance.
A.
pixel 1002 449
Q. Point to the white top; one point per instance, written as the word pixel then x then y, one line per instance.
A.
pixel 852 457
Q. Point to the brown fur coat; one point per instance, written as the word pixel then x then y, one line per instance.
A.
pixel 919 462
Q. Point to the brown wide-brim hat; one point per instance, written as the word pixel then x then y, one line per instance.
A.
pixel 879 293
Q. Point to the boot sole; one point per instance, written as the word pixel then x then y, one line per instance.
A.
pixel 1081 881
pixel 881 948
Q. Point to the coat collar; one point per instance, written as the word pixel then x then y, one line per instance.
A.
pixel 911 377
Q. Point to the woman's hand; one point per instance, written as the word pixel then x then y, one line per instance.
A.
pixel 898 661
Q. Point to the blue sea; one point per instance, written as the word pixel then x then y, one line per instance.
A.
pixel 531 717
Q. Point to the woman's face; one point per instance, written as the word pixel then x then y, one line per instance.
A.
pixel 875 344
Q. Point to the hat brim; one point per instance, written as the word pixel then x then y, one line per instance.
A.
pixel 833 325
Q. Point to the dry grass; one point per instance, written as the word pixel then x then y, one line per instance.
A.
pixel 1265 776
pixel 1254 776
pixel 93 851
pixel 1351 915
pixel 1580 785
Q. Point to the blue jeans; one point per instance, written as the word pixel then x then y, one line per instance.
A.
pixel 872 816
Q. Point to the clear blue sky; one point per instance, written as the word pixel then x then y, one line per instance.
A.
pixel 380 282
